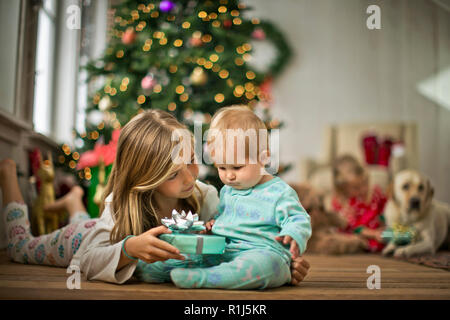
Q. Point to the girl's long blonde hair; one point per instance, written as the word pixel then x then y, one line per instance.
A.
pixel 143 162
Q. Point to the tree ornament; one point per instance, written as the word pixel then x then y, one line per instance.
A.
pixel 166 6
pixel 129 36
pixel 95 117
pixel 105 103
pixel 148 82
pixel 266 89
pixel 198 76
pixel 166 26
pixel 195 42
pixel 227 24
pixel 173 52
pixel 259 34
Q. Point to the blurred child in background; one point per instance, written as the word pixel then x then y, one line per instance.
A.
pixel 360 205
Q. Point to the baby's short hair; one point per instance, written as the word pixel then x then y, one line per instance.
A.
pixel 239 121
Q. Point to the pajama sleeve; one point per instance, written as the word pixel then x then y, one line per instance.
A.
pixel 97 258
pixel 293 220
pixel 221 204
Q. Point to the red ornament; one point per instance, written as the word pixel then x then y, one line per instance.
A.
pixel 227 23
pixel 195 42
pixel 259 34
pixel 129 36
pixel 266 89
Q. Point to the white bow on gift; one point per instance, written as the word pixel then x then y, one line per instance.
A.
pixel 182 222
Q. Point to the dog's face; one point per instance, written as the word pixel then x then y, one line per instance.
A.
pixel 413 194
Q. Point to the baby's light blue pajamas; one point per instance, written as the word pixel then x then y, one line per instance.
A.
pixel 250 220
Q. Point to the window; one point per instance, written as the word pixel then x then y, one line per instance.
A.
pixel 60 88
pixel 45 55
pixel 9 37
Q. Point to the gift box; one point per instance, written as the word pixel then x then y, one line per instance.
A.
pixel 195 243
pixel 399 235
pixel 184 238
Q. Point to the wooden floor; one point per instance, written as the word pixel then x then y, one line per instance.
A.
pixel 342 277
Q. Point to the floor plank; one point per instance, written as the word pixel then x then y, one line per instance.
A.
pixel 330 277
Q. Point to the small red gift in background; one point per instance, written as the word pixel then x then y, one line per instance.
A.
pixel 384 152
pixel 370 145
pixel 377 152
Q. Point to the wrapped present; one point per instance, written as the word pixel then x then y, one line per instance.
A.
pixel 399 234
pixel 183 223
pixel 195 243
pixel 184 237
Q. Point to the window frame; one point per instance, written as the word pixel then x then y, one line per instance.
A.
pixel 22 115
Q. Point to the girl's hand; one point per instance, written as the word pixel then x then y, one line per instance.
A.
pixel 148 248
pixel 294 246
pixel 373 234
pixel 378 233
pixel 299 270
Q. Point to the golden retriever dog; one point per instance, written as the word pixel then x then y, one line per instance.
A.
pixel 412 205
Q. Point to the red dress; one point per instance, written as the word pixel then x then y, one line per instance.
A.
pixel 364 214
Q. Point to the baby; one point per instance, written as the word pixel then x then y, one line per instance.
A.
pixel 259 214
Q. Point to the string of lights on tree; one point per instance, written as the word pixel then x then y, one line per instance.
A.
pixel 187 57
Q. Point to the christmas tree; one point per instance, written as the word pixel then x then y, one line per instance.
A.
pixel 187 57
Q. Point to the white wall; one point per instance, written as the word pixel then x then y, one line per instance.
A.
pixel 9 20
pixel 343 72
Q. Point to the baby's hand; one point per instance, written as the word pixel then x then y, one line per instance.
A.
pixel 208 226
pixel 294 246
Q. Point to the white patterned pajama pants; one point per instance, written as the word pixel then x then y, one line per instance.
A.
pixel 55 249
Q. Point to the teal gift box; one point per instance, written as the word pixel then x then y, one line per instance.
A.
pixel 399 235
pixel 195 243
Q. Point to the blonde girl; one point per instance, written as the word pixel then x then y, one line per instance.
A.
pixel 145 185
